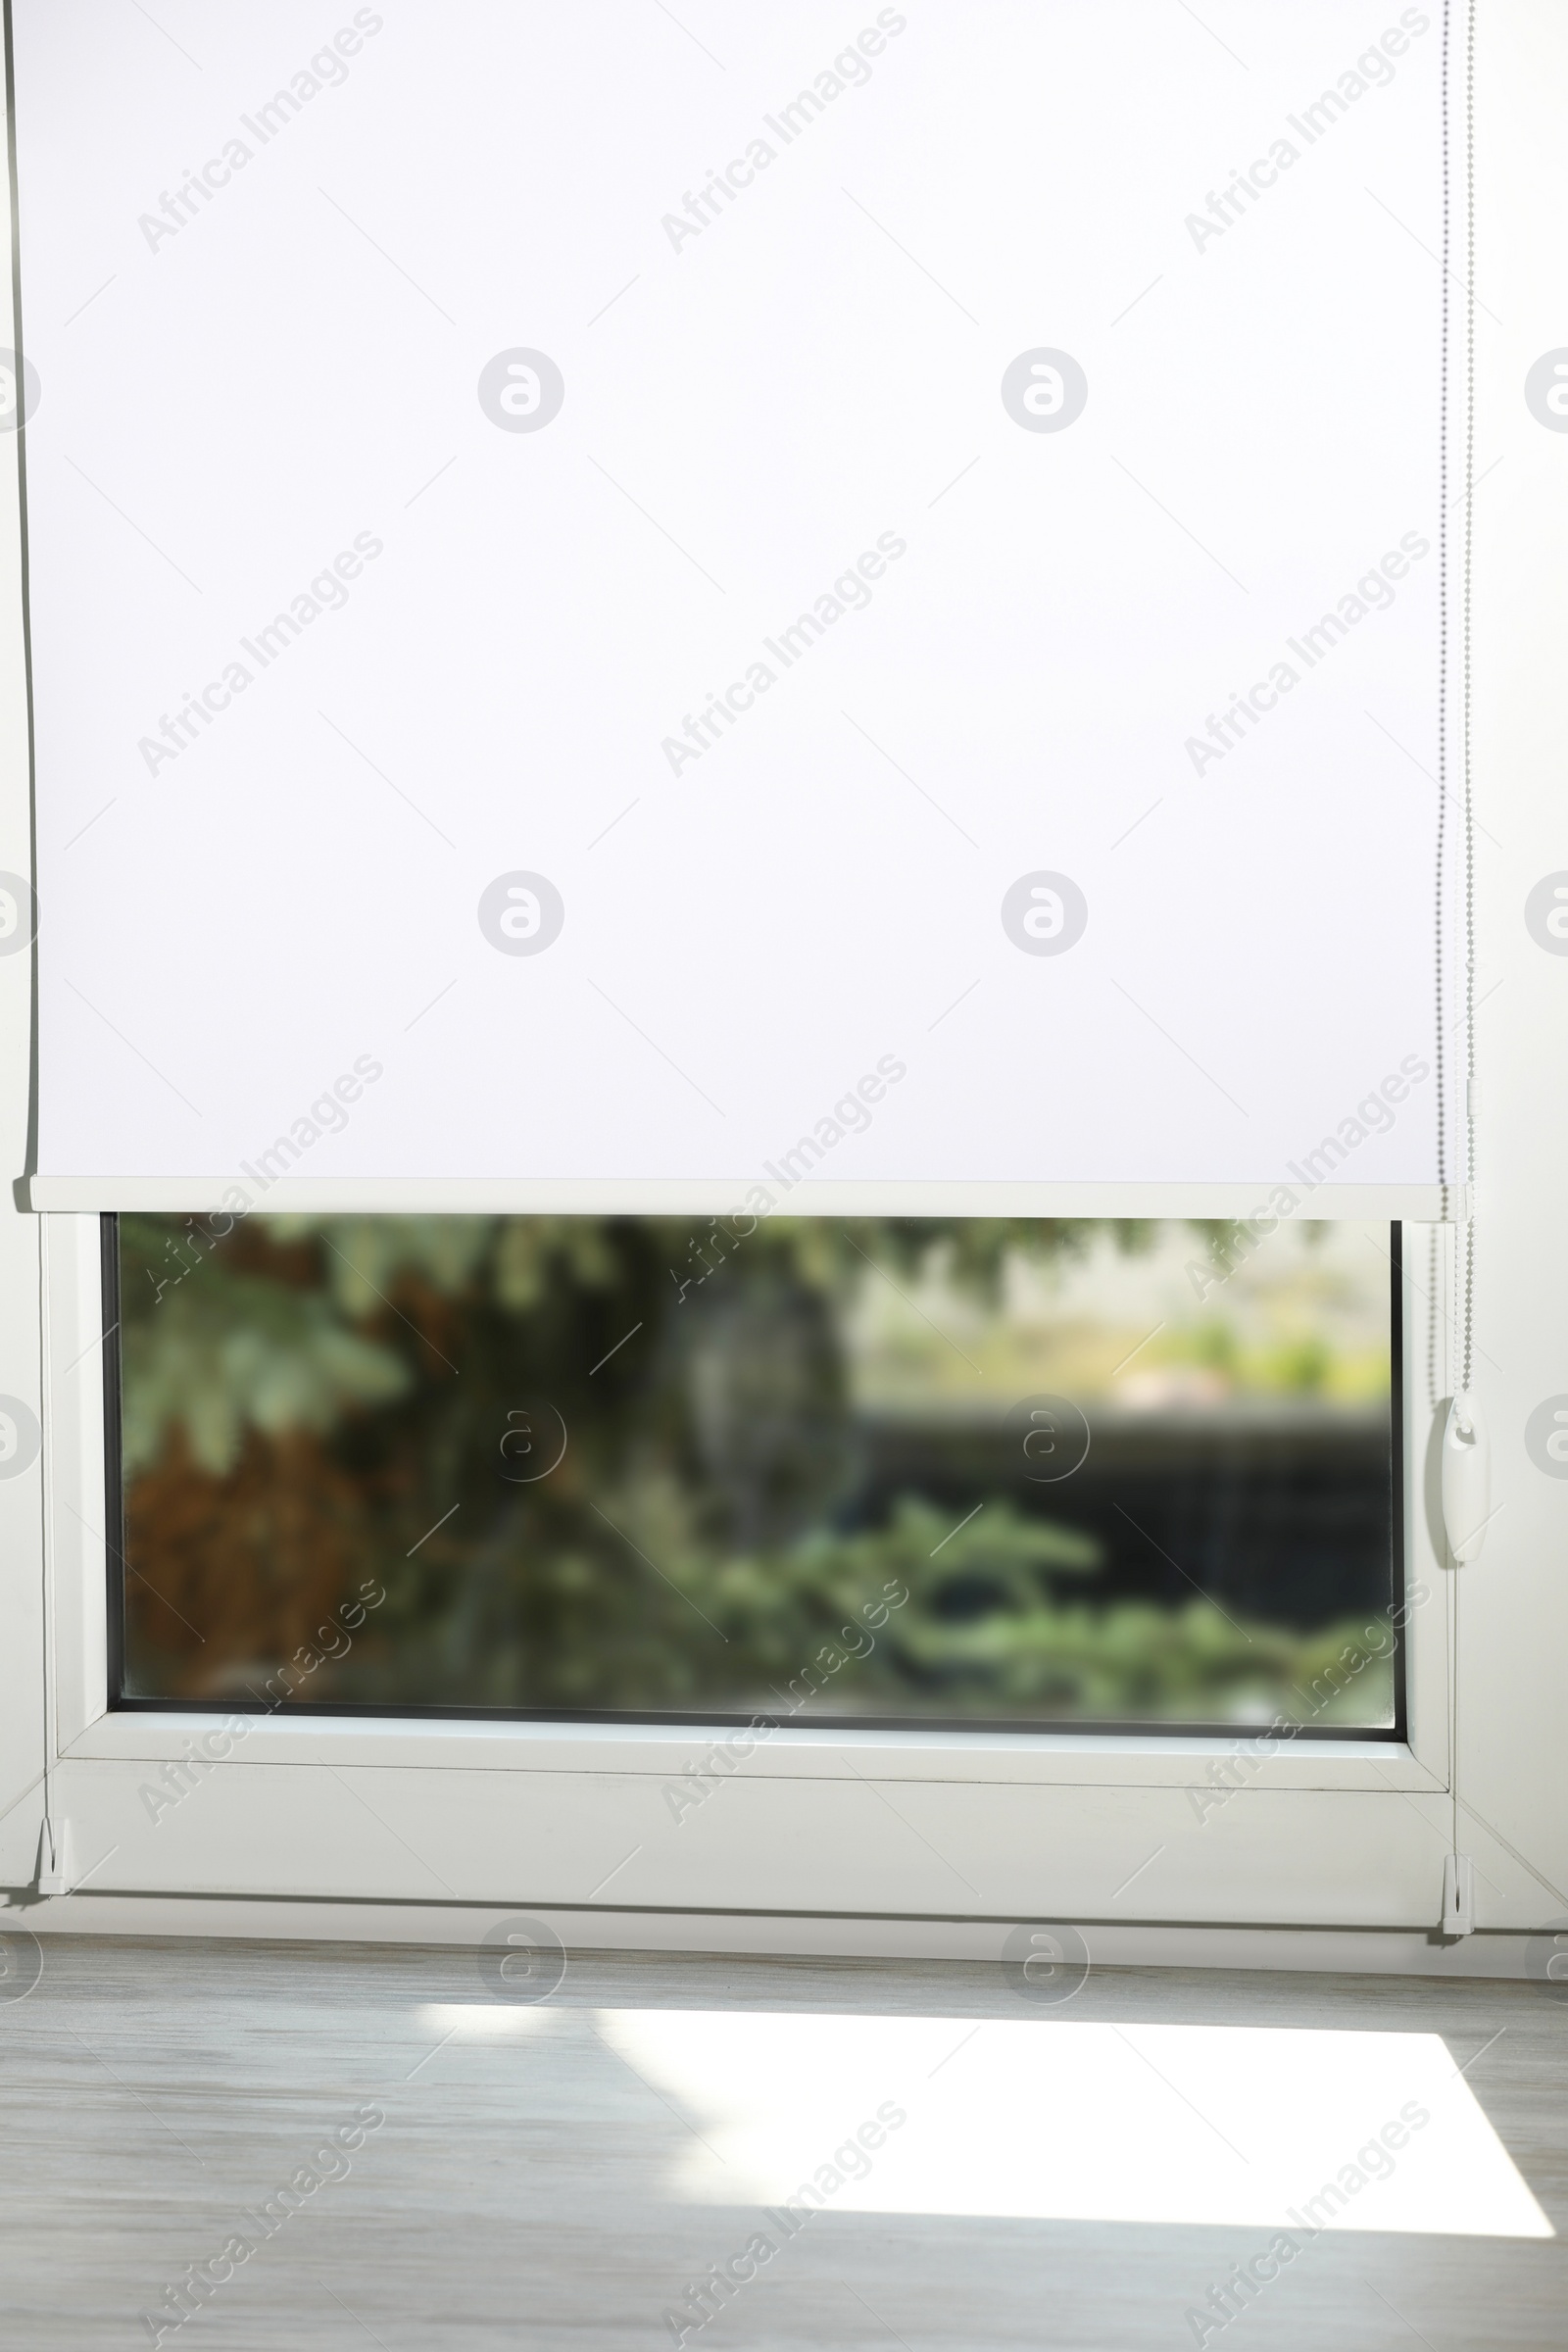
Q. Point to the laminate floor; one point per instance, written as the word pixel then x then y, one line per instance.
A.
pixel 364 2144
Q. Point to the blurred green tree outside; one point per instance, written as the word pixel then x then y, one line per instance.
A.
pixel 311 1403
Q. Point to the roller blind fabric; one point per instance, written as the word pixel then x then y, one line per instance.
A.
pixel 838 603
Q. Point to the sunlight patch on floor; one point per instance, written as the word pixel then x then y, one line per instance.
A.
pixel 1047 2120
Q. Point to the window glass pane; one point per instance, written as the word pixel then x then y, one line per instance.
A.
pixel 929 1470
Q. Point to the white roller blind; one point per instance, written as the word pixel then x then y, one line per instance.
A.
pixel 634 608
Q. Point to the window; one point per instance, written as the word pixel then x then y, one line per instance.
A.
pixel 901 1471
pixel 1077 636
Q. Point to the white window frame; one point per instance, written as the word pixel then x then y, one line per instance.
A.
pixel 814 1821
pixel 410 1826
